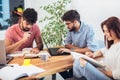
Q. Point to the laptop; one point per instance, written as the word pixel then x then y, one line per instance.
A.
pixel 3 58
pixel 53 51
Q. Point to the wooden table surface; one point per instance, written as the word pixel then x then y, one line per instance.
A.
pixel 54 65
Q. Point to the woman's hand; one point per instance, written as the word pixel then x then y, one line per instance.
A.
pixel 89 54
pixel 82 62
pixel 108 73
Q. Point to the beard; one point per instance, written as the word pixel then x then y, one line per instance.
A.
pixel 73 29
pixel 25 29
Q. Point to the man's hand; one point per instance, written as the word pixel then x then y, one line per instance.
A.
pixel 26 36
pixel 34 50
pixel 63 50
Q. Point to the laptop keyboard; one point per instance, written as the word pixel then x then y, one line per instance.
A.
pixel 53 52
pixel 65 53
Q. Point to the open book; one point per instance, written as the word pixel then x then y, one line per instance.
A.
pixel 90 60
pixel 16 72
pixel 25 52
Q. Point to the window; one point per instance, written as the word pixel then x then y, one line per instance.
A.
pixel 0 1
pixel 1 15
pixel 1 10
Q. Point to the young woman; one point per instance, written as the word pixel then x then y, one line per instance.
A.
pixel 111 53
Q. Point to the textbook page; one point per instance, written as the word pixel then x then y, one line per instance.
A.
pixel 16 54
pixel 25 52
pixel 91 60
pixel 13 73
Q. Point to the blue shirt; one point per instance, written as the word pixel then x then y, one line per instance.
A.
pixel 84 37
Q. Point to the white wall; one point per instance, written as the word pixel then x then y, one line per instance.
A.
pixel 36 5
pixel 92 12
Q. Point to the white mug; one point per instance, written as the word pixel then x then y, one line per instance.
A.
pixel 44 56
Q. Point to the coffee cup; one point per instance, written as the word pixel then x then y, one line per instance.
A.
pixel 44 56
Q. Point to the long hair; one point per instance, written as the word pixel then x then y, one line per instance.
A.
pixel 112 23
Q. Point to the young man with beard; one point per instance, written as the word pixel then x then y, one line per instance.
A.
pixel 22 34
pixel 80 38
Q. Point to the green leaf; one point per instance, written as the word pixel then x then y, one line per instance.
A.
pixel 54 32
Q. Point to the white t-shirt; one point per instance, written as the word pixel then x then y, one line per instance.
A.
pixel 112 59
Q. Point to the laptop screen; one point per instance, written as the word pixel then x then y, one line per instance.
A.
pixel 53 51
pixel 49 49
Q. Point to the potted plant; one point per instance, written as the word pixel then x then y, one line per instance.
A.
pixel 54 31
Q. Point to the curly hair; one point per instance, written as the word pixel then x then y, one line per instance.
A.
pixel 30 15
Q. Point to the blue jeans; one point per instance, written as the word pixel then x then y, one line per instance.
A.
pixel 88 71
pixel 41 79
pixel 67 74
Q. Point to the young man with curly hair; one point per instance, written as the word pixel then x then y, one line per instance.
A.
pixel 22 34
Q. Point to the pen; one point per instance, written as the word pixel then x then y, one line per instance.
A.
pixel 6 65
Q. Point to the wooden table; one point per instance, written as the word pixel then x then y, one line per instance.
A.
pixel 54 65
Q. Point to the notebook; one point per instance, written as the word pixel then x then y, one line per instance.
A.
pixel 90 60
pixel 17 72
pixel 3 58
pixel 53 51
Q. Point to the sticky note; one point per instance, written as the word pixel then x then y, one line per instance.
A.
pixel 26 62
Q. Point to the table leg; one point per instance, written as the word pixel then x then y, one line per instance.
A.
pixel 54 77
